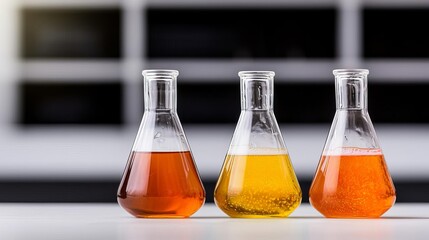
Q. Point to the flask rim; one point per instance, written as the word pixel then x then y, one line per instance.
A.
pixel 350 71
pixel 160 72
pixel 256 74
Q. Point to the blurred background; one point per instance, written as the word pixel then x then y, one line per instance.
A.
pixel 71 87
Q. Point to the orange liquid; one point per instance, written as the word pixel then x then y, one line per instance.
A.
pixel 161 185
pixel 352 186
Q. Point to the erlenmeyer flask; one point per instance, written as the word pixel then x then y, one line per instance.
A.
pixel 352 180
pixel 257 178
pixel 161 179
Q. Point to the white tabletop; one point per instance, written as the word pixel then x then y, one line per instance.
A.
pixel 109 221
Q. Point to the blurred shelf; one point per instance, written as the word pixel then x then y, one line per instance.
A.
pixel 241 3
pixel 404 71
pixel 289 3
pixel 226 70
pixel 223 3
pixel 190 70
pixel 66 70
pixel 206 70
pixel 179 3
pixel 393 3
pixel 72 4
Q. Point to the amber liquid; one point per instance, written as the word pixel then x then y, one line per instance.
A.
pixel 161 185
pixel 352 186
pixel 256 186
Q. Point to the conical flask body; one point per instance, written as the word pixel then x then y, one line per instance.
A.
pixel 352 179
pixel 257 178
pixel 160 179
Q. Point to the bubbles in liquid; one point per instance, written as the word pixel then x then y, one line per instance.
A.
pixel 353 184
pixel 257 186
pixel 161 184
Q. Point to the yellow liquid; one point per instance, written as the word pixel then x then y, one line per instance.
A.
pixel 255 186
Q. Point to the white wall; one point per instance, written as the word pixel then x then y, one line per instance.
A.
pixel 73 153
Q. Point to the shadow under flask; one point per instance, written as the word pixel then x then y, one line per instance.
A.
pixel 161 179
pixel 352 179
pixel 257 178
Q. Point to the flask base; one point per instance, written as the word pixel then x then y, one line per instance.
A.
pixel 350 213
pixel 170 207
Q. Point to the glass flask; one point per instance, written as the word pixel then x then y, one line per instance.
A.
pixel 352 179
pixel 257 178
pixel 161 179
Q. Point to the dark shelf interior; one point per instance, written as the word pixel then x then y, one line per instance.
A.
pixel 71 33
pixel 241 33
pixel 395 33
pixel 71 103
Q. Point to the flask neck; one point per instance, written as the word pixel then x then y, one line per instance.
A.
pixel 256 90
pixel 160 90
pixel 351 89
